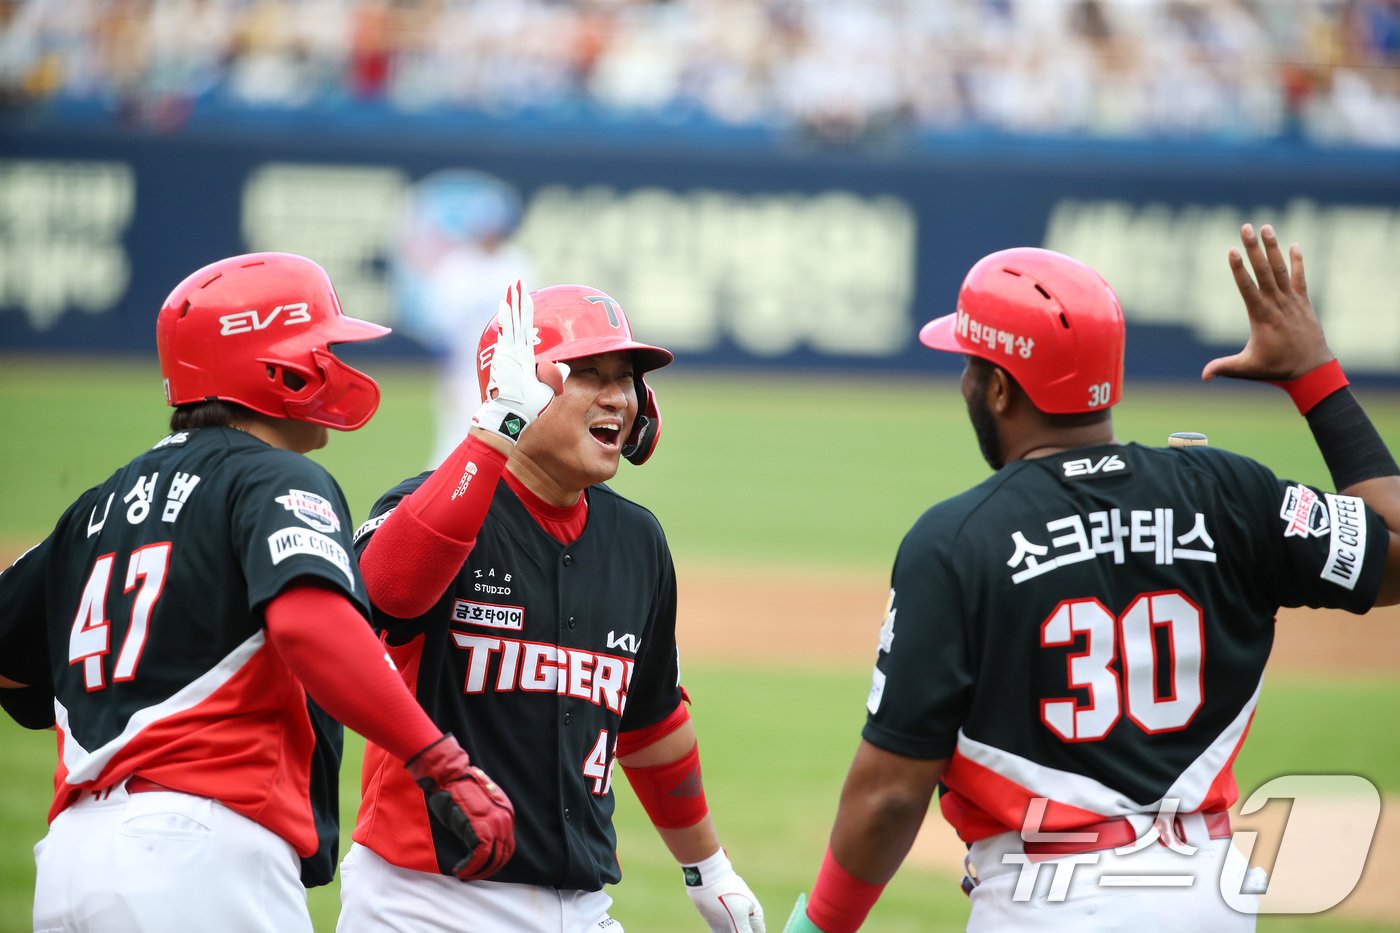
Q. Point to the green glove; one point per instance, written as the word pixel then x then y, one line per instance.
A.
pixel 797 921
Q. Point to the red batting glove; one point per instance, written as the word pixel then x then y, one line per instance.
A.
pixel 469 803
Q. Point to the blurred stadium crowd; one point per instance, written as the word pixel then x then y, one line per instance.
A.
pixel 1320 71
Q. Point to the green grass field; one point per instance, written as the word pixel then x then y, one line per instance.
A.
pixel 810 472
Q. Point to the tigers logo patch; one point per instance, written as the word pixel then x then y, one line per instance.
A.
pixel 315 510
pixel 1304 512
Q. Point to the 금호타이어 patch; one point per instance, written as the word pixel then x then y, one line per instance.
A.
pixel 488 614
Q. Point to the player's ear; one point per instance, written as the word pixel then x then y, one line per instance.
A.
pixel 1001 390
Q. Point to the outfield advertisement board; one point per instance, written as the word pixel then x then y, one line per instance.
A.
pixel 755 257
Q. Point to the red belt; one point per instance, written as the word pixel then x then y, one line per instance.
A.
pixel 136 784
pixel 1119 832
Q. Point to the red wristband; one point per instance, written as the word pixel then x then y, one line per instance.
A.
pixel 840 900
pixel 1315 385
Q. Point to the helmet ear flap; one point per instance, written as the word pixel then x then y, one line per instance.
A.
pixel 646 430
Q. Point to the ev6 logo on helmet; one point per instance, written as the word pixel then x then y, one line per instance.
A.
pixel 242 322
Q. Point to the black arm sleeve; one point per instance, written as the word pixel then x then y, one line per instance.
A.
pixel 1348 441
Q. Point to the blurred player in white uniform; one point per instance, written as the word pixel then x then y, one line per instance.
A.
pixel 455 247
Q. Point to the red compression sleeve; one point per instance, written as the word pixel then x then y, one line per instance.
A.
pixel 414 556
pixel 840 901
pixel 333 652
pixel 672 793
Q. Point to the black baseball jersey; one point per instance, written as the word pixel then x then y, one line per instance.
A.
pixel 535 658
pixel 1092 628
pixel 145 604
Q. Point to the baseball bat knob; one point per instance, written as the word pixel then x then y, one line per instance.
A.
pixel 1188 439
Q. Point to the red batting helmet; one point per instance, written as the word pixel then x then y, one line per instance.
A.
pixel 1050 321
pixel 256 330
pixel 575 321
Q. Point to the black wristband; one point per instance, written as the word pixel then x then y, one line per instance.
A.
pixel 1349 442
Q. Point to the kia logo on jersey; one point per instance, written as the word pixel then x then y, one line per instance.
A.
pixel 315 510
pixel 1305 513
pixel 626 641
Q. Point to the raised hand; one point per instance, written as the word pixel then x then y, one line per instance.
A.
pixel 1285 338
pixel 520 390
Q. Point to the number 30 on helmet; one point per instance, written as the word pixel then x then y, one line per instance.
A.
pixel 575 321
pixel 1049 320
pixel 257 330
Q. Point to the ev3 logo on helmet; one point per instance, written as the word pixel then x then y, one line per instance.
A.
pixel 241 322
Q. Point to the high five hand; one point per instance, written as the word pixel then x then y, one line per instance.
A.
pixel 1285 338
pixel 520 390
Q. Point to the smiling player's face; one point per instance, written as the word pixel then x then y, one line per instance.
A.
pixel 578 439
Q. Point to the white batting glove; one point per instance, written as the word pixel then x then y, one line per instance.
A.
pixel 721 896
pixel 520 396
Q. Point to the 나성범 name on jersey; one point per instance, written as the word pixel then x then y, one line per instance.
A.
pixel 1076 538
pixel 143 493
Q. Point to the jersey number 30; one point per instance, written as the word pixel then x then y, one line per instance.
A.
pixel 91 638
pixel 1134 634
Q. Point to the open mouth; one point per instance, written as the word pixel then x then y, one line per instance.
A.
pixel 607 435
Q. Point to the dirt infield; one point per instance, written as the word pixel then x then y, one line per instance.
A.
pixel 825 618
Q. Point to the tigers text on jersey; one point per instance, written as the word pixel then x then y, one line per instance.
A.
pixel 535 658
pixel 144 604
pixel 1092 628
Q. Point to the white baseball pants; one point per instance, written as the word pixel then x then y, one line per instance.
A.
pixel 376 896
pixel 1152 890
pixel 164 862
